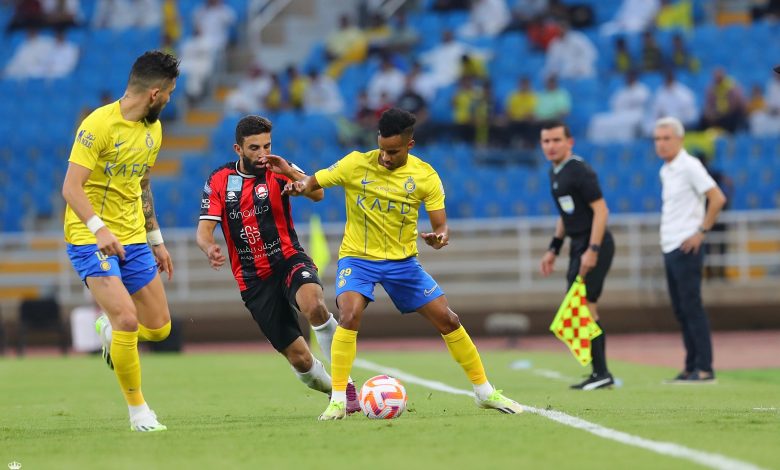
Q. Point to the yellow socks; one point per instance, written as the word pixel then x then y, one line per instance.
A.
pixel 342 354
pixel 127 365
pixel 464 352
pixel 158 334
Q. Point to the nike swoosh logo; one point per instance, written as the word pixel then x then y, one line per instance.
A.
pixel 363 181
pixel 597 384
pixel 116 145
pixel 428 292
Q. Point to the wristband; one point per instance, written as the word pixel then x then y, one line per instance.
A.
pixel 154 237
pixel 594 247
pixel 555 245
pixel 94 224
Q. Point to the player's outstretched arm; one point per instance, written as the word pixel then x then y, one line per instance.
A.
pixel 74 195
pixel 303 187
pixel 153 235
pixel 207 244
pixel 279 165
pixel 440 236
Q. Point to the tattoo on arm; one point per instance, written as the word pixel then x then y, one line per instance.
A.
pixel 147 202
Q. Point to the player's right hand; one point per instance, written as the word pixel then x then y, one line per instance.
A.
pixel 108 244
pixel 548 263
pixel 216 258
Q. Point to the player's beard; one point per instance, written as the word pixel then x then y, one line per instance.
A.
pixel 250 167
pixel 154 112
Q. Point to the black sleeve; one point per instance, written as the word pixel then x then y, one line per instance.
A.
pixel 588 184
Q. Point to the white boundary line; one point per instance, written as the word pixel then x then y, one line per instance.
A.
pixel 716 461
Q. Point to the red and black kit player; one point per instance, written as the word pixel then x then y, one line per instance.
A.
pixel 277 279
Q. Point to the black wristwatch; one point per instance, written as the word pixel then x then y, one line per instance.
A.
pixel 703 230
pixel 594 247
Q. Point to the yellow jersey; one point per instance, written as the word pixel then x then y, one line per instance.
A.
pixel 382 205
pixel 119 153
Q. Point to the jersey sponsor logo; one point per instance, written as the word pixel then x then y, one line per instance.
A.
pixel 567 204
pixel 428 292
pixel 251 252
pixel 124 169
pixel 237 214
pixel 410 185
pixel 261 191
pixel 85 138
pixel 250 235
pixel 234 183
pixel 377 204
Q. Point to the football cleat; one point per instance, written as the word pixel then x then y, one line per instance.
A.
pixel 146 422
pixel 353 403
pixel 497 401
pixel 101 325
pixel 594 382
pixel 335 410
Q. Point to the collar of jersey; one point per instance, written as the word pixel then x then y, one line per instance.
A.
pixel 557 169
pixel 243 175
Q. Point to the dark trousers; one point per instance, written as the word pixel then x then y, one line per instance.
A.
pixel 683 276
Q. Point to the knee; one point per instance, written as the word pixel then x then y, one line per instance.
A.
pixel 302 361
pixel 317 313
pixel 125 318
pixel 450 322
pixel 349 319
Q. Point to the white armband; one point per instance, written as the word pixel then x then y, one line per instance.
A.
pixel 94 224
pixel 155 237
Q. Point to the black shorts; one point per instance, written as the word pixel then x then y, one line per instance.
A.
pixel 272 301
pixel 594 280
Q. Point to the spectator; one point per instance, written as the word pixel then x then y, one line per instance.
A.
pixel 471 66
pixel 64 56
pixel 464 104
pixel 62 13
pixel 571 55
pixel 484 113
pixel 358 130
pixel 554 103
pixel 622 123
pixel 402 37
pixel 444 60
pixel 724 105
pixel 541 31
pixel 755 103
pixel 31 57
pixel 412 101
pixel 672 99
pixel 524 12
pixel 377 32
pixel 274 99
pixel 322 95
pixel 124 14
pixel 345 46
pixel 652 57
pixel 767 121
pixel 198 59
pixel 248 96
pixel 622 61
pixel 680 58
pixel 171 20
pixel 633 16
pixel 486 18
pixel 27 14
pixel 675 15
pixel 215 19
pixel 387 80
pixel 423 83
pixel 519 115
pixel 296 88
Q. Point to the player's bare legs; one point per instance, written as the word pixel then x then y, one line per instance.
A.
pixel 351 306
pixel 465 353
pixel 154 318
pixel 113 298
pixel 309 370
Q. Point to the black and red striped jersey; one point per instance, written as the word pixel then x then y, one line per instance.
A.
pixel 255 218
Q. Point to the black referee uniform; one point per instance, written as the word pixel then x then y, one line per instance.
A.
pixel 574 186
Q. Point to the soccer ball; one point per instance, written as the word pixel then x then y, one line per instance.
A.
pixel 383 397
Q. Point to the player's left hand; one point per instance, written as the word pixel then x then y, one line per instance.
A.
pixel 164 262
pixel 435 240
pixel 294 188
pixel 276 164
pixel 588 261
pixel 693 243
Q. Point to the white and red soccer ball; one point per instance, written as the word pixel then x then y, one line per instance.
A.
pixel 383 397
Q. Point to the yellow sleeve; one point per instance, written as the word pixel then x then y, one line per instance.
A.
pixel 335 175
pixel 434 200
pixel 91 140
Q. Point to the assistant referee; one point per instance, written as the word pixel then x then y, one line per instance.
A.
pixel 583 218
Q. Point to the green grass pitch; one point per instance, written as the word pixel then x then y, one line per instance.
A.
pixel 233 411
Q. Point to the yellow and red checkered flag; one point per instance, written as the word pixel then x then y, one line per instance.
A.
pixel 573 324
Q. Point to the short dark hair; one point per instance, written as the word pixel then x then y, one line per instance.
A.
pixel 396 121
pixel 547 125
pixel 252 125
pixel 151 68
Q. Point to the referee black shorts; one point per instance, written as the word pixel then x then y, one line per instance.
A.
pixel 272 301
pixel 594 280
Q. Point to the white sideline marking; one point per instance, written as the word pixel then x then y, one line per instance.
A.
pixel 711 460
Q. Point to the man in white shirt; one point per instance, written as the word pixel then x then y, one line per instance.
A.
pixel 622 122
pixel 571 55
pixel 673 99
pixel 684 224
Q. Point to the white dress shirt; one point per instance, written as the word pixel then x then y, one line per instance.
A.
pixel 684 182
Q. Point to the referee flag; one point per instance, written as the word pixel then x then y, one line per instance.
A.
pixel 573 324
